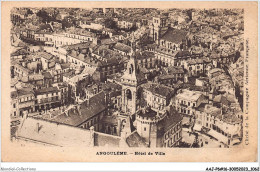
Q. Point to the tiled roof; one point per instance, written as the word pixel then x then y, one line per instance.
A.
pixel 83 45
pixel 147 112
pixel 231 118
pixel 187 94
pixel 83 112
pixel 174 70
pixel 183 53
pixel 53 133
pixel 170 120
pixel 25 91
pixel 174 35
pixel 45 55
pixel 14 94
pixel 102 139
pixel 122 47
pixel 213 111
pixel 78 31
pixel 159 89
pixel 65 65
pixel 18 52
pixel 135 140
pixel 47 75
pixel 144 55
pixel 47 90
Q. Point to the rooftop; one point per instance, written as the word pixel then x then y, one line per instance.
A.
pixel 147 112
pixel 174 35
pixel 170 120
pixel 135 140
pixel 189 95
pixel 46 90
pixel 83 112
pixel 158 89
pixel 122 47
pixel 52 133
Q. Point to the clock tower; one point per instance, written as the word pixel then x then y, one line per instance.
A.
pixel 131 90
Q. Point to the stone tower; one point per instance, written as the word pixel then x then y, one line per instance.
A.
pixel 159 26
pixel 147 121
pixel 131 91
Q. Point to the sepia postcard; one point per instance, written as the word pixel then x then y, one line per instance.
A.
pixel 129 81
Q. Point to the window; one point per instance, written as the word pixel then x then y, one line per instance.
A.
pixel 144 128
pixel 14 105
pixel 14 113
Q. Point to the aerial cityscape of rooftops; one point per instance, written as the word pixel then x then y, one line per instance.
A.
pixel 127 77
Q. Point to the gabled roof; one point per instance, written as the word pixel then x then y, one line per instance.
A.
pixel 25 91
pixel 83 112
pixel 122 47
pixel 135 140
pixel 47 75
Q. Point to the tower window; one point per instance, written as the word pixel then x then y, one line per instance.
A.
pixel 131 69
pixel 128 94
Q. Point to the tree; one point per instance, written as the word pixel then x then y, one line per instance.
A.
pixel 44 15
pixel 29 11
pixel 109 23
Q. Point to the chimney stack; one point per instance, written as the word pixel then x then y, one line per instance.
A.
pixel 92 136
pixel 118 127
pixel 37 127
pixel 50 115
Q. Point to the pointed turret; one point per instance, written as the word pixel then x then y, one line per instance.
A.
pixel 133 75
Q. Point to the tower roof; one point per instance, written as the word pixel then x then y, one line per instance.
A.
pixel 133 75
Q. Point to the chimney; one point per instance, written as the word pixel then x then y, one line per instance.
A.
pixel 118 127
pixel 37 127
pixel 78 108
pixel 67 113
pixel 92 136
pixel 50 115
